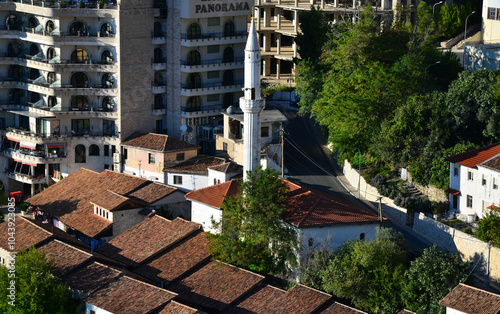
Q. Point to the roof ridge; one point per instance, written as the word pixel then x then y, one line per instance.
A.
pixel 481 290
pixel 148 284
pixel 211 186
pixel 485 161
pixel 73 247
pixel 309 211
pixel 34 224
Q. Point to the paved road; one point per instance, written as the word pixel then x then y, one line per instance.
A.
pixel 308 162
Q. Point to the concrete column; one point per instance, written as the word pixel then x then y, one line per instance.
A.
pixel 258 17
pixel 266 42
pixel 279 1
pixel 294 47
pixel 354 4
pixel 336 3
pixel 296 22
pixel 278 16
pixel 312 1
pixel 322 4
pixel 278 43
pixel 267 17
pixel 296 3
pixel 386 4
pixel 278 63
pixel 47 173
pixel 267 67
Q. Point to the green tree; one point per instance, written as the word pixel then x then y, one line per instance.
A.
pixel 488 228
pixel 36 289
pixel 314 33
pixel 312 268
pixel 252 233
pixel 431 277
pixel 368 273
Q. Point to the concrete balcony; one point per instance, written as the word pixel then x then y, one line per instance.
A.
pixel 35 157
pixel 61 38
pixel 48 9
pixel 203 111
pixel 158 66
pixel 206 39
pixel 212 65
pixel 211 88
pixel 159 110
pixel 26 178
pixel 57 65
pixel 159 88
pixel 159 39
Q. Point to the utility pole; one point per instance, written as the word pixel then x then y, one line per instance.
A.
pixel 379 199
pixel 282 153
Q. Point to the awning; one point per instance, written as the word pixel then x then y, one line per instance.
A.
pixel 13 139
pixel 494 207
pixel 452 191
pixel 28 145
pixel 56 145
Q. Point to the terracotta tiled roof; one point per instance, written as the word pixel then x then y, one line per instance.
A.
pixel 339 308
pixel 476 156
pixel 472 300
pixel 66 257
pixel 299 299
pixel 70 199
pixel 27 234
pixel 110 200
pixel 405 312
pixel 214 195
pixel 175 262
pixel 493 163
pixel 228 167
pixel 258 301
pixel 157 142
pixel 91 277
pixel 146 239
pixel 178 308
pixel 216 285
pixel 127 295
pixel 305 207
pixel 196 165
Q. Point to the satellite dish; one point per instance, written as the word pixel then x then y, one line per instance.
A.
pixel 184 128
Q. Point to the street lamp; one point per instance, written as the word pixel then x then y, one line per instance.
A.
pixel 425 71
pixel 434 6
pixel 359 172
pixel 465 36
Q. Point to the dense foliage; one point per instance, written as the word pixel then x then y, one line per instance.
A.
pixel 251 233
pixel 380 89
pixel 36 289
pixel 376 277
pixel 488 228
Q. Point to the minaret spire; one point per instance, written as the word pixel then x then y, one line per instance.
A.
pixel 251 104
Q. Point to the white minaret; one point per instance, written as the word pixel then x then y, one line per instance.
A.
pixel 251 104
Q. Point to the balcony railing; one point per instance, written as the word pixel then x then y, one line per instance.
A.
pixel 201 108
pixel 69 4
pixel 55 133
pixel 57 60
pixel 212 35
pixel 210 85
pixel 211 61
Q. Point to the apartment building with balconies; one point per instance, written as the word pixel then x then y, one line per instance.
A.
pixel 76 79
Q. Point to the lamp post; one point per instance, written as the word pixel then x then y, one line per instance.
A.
pixel 465 36
pixel 425 71
pixel 359 172
pixel 434 6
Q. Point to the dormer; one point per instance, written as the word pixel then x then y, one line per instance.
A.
pixel 108 202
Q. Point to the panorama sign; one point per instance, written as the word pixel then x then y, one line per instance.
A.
pixel 210 8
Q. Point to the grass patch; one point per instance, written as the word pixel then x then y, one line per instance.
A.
pixel 269 91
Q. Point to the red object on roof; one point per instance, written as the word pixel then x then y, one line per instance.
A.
pixel 476 156
pixel 452 191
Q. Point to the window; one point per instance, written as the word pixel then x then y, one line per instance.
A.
pixel 194 104
pixel 80 126
pixel 492 13
pixel 80 80
pixel 194 57
pixel 229 29
pixel 80 103
pixel 483 181
pixel 14 49
pixel 469 201
pixel 80 153
pixel 151 158
pixel 495 183
pixel 106 30
pixel 455 170
pixel 159 127
pixel 213 49
pixel 194 31
pixel 193 81
pixel 228 78
pixel 470 175
pixel 106 166
pixel 455 201
pixel 228 55
pixel 78 29
pixel 178 180
pixel 94 150
pixel 113 149
pixel 107 80
pixel 213 75
pixel 108 127
pixel 224 147
pixel 79 56
pixel 213 21
pixel 215 181
pixel 158 55
pixel 180 157
pixel 106 150
pixel 157 30
pixel 264 131
pixel 125 153
pixel 311 241
pixel 107 57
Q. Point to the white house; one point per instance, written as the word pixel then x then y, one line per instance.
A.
pixel 321 220
pixel 464 299
pixel 474 181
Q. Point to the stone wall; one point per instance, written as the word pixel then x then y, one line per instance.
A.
pixel 433 193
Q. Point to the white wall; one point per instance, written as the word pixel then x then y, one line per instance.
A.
pixel 203 214
pixel 149 175
pixel 97 310
pixel 452 311
pixel 190 182
pixel 217 175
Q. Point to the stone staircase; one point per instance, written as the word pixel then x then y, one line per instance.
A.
pixel 412 189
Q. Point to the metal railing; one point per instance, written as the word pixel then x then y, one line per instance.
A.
pixel 211 61
pixel 201 108
pixel 210 85
pixel 69 4
pixel 212 35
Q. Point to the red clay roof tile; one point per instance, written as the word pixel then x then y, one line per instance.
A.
pixel 157 142
pixel 91 277
pixel 474 157
pixel 339 308
pixel 196 165
pixel 27 234
pixel 259 301
pixel 177 308
pixel 472 300
pixel 299 299
pixel 66 257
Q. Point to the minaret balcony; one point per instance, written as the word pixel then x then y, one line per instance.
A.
pixel 211 88
pixel 194 40
pixel 212 65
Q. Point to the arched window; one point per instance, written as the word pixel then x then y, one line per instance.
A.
pixel 228 100
pixel 15 96
pixel 228 55
pixel 34 50
pixel 229 29
pixel 14 49
pixel 157 30
pixel 51 77
pixel 52 101
pixel 79 56
pixel 158 102
pixel 13 22
pixel 106 30
pixel 49 26
pixel 79 103
pixel 158 79
pixel 193 57
pixel 194 80
pixel 194 31
pixel 80 80
pixel 107 104
pixel 158 55
pixel 34 74
pixel 107 57
pixel 51 53
pixel 194 103
pixel 107 80
pixel 80 155
pixel 93 150
pixel 228 78
pixel 33 22
pixel 78 28
pixel 15 72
